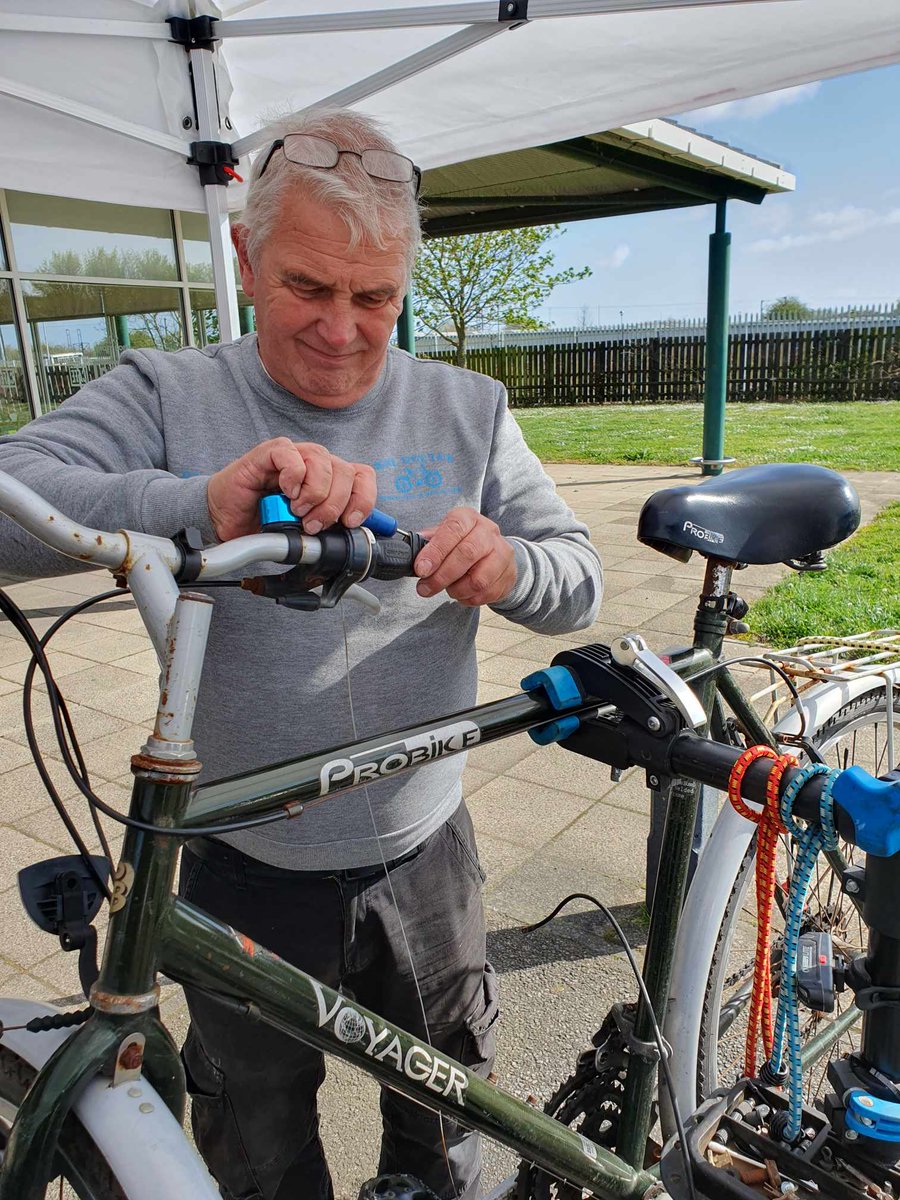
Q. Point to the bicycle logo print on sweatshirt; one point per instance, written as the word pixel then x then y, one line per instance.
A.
pixel 416 475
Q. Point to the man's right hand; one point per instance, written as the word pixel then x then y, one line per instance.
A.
pixel 322 488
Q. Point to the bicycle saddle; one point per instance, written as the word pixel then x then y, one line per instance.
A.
pixel 766 514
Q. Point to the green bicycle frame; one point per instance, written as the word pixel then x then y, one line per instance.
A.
pixel 151 930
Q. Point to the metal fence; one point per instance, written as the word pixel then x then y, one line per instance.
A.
pixel 857 358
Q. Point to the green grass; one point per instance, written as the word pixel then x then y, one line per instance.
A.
pixel 859 591
pixel 852 436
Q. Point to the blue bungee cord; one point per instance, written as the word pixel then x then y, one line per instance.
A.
pixel 810 842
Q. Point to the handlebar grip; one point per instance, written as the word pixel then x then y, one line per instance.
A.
pixel 394 559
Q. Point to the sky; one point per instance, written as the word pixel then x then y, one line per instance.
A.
pixel 833 242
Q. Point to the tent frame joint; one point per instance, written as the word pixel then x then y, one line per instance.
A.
pixel 513 11
pixel 212 159
pixel 194 33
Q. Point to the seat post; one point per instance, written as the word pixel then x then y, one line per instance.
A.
pixel 711 618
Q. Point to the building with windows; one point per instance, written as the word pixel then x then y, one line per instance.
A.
pixel 80 281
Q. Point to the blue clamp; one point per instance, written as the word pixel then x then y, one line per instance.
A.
pixel 275 513
pixel 561 688
pixel 873 1118
pixel 874 807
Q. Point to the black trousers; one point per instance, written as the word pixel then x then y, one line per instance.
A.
pixel 254 1088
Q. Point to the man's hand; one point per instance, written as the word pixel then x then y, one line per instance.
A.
pixel 322 488
pixel 468 556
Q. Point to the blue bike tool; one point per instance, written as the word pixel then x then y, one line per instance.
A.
pixel 873 1118
pixel 561 688
pixel 275 513
pixel 874 807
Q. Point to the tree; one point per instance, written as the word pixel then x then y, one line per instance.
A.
pixel 787 308
pixel 110 264
pixel 465 282
pixel 156 330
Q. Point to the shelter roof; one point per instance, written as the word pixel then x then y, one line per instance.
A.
pixel 643 167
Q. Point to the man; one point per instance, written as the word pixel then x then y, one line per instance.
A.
pixel 377 892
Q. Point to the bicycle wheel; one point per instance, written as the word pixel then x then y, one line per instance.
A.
pixel 80 1168
pixel 856 734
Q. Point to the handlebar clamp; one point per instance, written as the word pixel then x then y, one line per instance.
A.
pixel 189 543
pixel 345 559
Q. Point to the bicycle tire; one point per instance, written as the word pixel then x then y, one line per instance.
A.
pixel 866 713
pixel 80 1162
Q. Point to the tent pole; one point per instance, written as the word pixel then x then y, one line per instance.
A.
pixel 223 268
pixel 713 458
pixel 90 115
pixel 371 85
pixel 215 197
pixel 406 325
pixel 419 16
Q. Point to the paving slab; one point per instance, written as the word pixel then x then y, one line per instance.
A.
pixel 549 823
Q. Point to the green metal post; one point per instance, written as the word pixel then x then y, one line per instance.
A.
pixel 406 326
pixel 716 346
pixel 123 337
pixel 247 318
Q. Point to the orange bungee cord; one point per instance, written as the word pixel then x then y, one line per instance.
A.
pixel 768 819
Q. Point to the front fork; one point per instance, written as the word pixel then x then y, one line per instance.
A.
pixel 124 1036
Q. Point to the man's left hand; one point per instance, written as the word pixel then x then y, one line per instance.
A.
pixel 469 557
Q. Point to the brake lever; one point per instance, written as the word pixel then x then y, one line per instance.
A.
pixel 345 558
pixel 632 651
pixel 362 596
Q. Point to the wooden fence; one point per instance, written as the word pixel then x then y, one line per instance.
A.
pixel 787 365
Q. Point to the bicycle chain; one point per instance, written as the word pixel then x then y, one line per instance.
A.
pixel 589 1100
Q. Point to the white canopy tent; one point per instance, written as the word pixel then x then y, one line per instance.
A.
pixel 106 106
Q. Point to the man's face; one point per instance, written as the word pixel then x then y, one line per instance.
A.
pixel 324 312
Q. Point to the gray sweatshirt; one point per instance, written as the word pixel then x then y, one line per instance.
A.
pixel 135 449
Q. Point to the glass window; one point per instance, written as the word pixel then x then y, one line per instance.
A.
pixel 205 316
pixel 79 329
pixel 4 261
pixel 56 236
pixel 197 252
pixel 13 396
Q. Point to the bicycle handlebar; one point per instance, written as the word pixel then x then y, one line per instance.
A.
pixel 58 531
pixel 118 551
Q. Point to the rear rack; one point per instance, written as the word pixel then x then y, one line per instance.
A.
pixel 821 659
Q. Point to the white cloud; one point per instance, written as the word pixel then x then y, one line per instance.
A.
pixel 848 217
pixel 835 226
pixel 754 107
pixel 615 260
pixel 772 217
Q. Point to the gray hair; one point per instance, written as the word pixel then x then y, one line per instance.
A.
pixel 375 210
